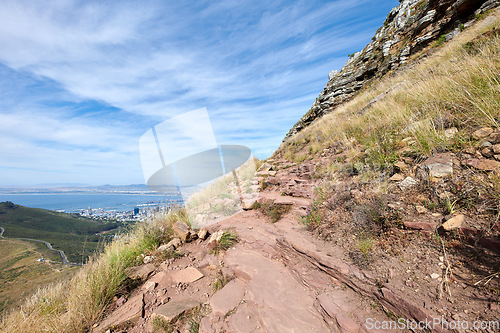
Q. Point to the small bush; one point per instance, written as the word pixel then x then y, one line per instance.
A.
pixel 227 240
pixel 440 41
pixel 272 210
pixel 160 325
pixel 313 216
pixel 365 243
pixel 220 281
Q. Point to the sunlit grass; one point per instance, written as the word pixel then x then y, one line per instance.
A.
pixel 76 304
pixel 458 88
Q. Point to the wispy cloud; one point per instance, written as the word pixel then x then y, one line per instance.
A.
pixel 84 79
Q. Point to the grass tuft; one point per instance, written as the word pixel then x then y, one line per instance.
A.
pixel 75 305
pixel 272 210
pixel 227 240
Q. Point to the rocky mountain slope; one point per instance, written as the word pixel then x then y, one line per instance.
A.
pixel 407 31
pixel 279 277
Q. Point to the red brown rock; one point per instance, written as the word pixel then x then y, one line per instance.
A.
pixel 140 272
pixel 482 164
pixel 420 225
pixel 482 133
pixel 174 309
pixel 182 230
pixel 128 313
pixel 228 297
pixel 187 275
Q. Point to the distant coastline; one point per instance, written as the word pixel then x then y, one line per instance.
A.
pixel 87 199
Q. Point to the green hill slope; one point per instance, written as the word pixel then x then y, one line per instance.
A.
pixel 20 272
pixel 76 236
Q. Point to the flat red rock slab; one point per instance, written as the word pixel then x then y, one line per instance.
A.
pixel 187 275
pixel 228 297
pixel 174 309
pixel 420 226
pixel 130 312
pixel 483 164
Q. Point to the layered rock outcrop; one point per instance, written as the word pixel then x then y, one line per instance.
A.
pixel 408 29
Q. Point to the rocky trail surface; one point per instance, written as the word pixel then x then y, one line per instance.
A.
pixel 278 277
pixel 283 280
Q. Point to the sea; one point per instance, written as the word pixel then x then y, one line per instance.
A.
pixel 73 202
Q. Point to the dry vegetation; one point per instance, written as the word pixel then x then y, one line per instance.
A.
pixel 221 198
pixel 432 106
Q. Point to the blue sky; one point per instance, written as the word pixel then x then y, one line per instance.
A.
pixel 81 81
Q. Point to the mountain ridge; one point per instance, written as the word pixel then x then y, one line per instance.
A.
pixel 408 29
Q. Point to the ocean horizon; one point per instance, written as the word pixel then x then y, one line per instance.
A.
pixel 73 202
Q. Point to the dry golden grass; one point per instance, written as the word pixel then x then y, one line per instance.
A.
pixel 222 196
pixel 458 86
pixel 76 304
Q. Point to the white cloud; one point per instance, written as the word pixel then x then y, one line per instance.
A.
pixel 256 66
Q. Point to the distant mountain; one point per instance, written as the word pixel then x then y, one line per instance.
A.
pixel 73 188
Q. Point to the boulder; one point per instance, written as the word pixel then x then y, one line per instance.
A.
pixel 172 310
pixel 487 152
pixel 165 248
pixel 401 165
pixel 247 204
pixel 128 313
pixel 187 275
pixel 266 167
pixel 140 272
pixel 182 230
pixel 228 297
pixel 426 226
pixel 494 137
pixel 170 246
pixel 454 223
pixel 420 209
pixel 397 177
pixel 482 164
pixel 426 20
pixel 439 165
pixel 148 259
pixel 496 148
pixel 485 144
pixel 203 233
pixel 408 182
pixel 214 239
pixel 482 133
pixel 150 285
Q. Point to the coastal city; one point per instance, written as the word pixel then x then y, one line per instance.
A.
pixel 139 213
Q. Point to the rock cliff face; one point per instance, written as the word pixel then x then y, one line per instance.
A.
pixel 408 29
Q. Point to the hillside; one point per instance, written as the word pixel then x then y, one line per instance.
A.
pixel 20 272
pixel 379 213
pixel 75 235
pixel 409 32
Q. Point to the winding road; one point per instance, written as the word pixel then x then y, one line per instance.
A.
pixel 49 246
